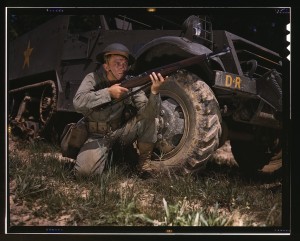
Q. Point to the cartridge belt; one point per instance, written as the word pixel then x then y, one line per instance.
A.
pixel 102 127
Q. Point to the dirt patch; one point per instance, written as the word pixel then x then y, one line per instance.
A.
pixel 223 156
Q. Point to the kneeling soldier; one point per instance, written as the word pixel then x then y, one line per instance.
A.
pixel 106 126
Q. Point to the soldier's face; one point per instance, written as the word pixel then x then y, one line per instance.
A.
pixel 116 67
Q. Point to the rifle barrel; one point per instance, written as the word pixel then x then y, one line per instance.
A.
pixel 164 70
pixel 144 79
pixel 170 68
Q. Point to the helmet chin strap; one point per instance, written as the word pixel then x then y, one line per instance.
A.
pixel 113 74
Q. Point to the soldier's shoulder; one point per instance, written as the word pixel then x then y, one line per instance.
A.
pixel 94 76
pixel 89 75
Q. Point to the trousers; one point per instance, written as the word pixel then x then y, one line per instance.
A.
pixel 93 155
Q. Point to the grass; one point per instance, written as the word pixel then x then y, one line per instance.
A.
pixel 46 186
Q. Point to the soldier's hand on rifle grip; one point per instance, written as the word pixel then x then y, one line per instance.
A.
pixel 157 81
pixel 116 91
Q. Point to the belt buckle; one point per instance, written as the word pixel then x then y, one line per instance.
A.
pixel 103 128
pixel 92 126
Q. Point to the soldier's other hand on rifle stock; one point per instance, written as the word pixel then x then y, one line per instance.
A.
pixel 157 81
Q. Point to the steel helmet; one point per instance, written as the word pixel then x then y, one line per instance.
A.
pixel 116 48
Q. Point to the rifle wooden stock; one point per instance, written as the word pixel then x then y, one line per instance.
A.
pixel 170 68
pixel 164 71
pixel 144 80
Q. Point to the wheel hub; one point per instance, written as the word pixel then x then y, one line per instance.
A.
pixel 171 126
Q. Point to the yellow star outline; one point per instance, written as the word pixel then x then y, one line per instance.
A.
pixel 27 54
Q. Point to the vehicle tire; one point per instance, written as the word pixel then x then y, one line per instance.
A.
pixel 190 123
pixel 253 157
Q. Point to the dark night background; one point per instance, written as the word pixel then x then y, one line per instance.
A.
pixel 264 26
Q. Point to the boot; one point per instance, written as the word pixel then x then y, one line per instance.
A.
pixel 144 166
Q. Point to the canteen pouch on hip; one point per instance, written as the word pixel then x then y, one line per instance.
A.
pixel 72 139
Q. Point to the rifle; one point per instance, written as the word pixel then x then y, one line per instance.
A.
pixel 144 80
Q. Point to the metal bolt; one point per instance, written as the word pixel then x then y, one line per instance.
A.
pixel 225 109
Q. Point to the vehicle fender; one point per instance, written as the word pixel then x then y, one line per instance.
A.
pixel 169 49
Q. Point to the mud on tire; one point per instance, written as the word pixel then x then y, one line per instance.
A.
pixel 192 124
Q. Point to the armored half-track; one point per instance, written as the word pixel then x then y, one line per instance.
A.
pixel 236 97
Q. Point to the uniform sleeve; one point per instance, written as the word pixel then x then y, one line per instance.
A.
pixel 87 97
pixel 147 108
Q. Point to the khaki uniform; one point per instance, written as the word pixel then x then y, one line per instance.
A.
pixel 106 125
